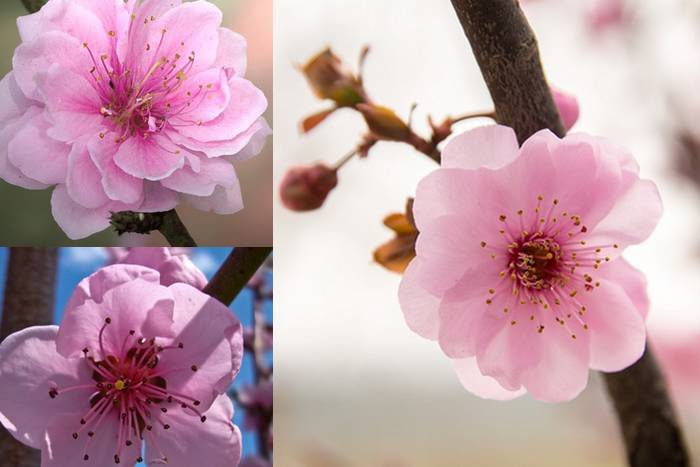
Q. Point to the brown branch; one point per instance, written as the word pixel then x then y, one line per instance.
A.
pixel 167 223
pixel 506 51
pixel 29 301
pixel 235 273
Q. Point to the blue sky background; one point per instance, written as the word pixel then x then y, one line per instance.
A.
pixel 77 263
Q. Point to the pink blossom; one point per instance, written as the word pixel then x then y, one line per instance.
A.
pixel 605 14
pixel 678 353
pixel 127 105
pixel 173 264
pixel 567 104
pixel 518 273
pixel 306 188
pixel 132 361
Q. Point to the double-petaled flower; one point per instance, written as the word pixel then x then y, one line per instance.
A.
pixel 128 105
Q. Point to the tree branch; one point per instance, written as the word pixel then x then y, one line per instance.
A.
pixel 167 223
pixel 29 301
pixel 235 273
pixel 506 51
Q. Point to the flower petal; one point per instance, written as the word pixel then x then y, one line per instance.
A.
pixel 153 158
pixel 492 147
pixel 84 182
pixel 29 368
pixel 483 386
pixel 212 173
pixel 188 438
pixel 232 52
pixel 224 200
pixel 213 342
pixel 138 305
pixel 420 307
pixel 75 220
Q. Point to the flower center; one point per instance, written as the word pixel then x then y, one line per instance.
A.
pixel 131 391
pixel 535 262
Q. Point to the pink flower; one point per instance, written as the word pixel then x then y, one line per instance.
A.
pixel 133 361
pixel 605 14
pixel 173 264
pixel 518 273
pixel 127 105
pixel 567 104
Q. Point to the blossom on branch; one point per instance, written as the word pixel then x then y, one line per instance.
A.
pixel 133 362
pixel 518 273
pixel 173 264
pixel 128 106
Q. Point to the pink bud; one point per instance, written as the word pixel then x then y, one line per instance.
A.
pixel 306 188
pixel 567 104
pixel 605 14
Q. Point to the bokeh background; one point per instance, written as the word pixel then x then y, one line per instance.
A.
pixel 359 388
pixel 74 264
pixel 26 214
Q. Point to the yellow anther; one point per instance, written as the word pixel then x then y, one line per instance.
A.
pixel 119 385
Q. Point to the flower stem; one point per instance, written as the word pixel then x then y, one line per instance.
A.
pixel 167 223
pixel 235 273
pixel 29 301
pixel 506 51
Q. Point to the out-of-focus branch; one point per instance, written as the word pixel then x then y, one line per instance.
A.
pixel 33 6
pixel 235 273
pixel 506 50
pixel 29 301
pixel 167 223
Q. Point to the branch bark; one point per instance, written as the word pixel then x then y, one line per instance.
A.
pixel 506 51
pixel 167 223
pixel 29 301
pixel 235 273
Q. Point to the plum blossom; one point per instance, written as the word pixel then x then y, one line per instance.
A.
pixel 128 105
pixel 173 264
pixel 133 362
pixel 518 274
pixel 567 105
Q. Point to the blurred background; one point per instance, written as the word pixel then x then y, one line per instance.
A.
pixel 74 264
pixel 359 388
pixel 27 214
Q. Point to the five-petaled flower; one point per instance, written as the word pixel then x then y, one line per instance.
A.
pixel 133 362
pixel 128 105
pixel 518 273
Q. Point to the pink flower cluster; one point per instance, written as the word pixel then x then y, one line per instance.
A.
pixel 128 105
pixel 133 363
pixel 518 274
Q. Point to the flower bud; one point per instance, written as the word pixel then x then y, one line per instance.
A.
pixel 384 123
pixel 306 188
pixel 567 104
pixel 330 80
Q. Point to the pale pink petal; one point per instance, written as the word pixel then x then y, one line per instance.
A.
pixel 420 307
pixel 73 103
pixel 492 147
pixel 95 285
pixel 14 103
pixel 247 104
pixel 29 368
pixel 120 186
pixel 84 183
pixel 32 60
pixel 208 89
pixel 213 342
pixel 632 219
pixel 483 386
pixel 153 158
pixel 8 171
pixel 632 280
pixel 61 450
pixel 567 105
pixel 35 154
pixel 157 198
pixel 224 200
pixel 173 268
pixel 75 220
pixel 243 146
pixel 189 440
pixel 232 52
pixel 562 370
pixel 616 327
pixel 213 172
pixel 138 305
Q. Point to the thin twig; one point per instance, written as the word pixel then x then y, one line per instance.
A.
pixel 235 273
pixel 167 223
pixel 506 50
pixel 29 301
